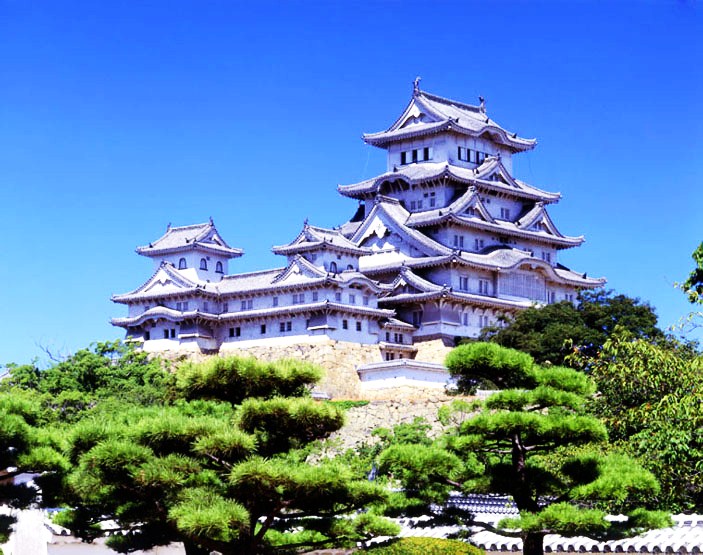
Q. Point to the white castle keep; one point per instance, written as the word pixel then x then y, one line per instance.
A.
pixel 444 242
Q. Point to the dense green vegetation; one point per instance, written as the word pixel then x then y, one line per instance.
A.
pixel 534 441
pixel 212 455
pixel 425 546
pixel 551 333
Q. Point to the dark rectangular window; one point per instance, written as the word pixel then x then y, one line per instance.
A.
pixel 275 301
pixel 345 324
pixel 173 333
pixel 289 326
pixel 403 158
pixel 358 326
pixel 426 153
pixel 147 336
pixel 282 326
pixel 414 155
pixel 231 332
pixel 165 334
pixel 238 331
pixel 263 329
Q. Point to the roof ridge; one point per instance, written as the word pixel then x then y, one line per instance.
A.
pixel 445 100
pixel 255 273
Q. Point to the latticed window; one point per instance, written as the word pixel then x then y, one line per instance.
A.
pixel 528 286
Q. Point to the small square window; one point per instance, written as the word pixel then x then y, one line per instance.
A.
pixel 314 296
pixel 263 329
pixel 165 334
pixel 289 326
pixel 358 326
pixel 231 332
pixel 238 332
pixel 275 301
pixel 345 324
pixel 282 326
pixel 338 297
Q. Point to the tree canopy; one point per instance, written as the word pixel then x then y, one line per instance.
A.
pixel 550 333
pixel 534 441
pixel 221 467
pixel 651 400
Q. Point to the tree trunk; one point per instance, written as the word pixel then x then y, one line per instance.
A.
pixel 193 549
pixel 533 543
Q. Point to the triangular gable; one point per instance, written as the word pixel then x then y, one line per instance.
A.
pixel 493 170
pixel 298 270
pixel 470 205
pixel 416 112
pixel 166 279
pixel 538 220
pixel 409 282
pixel 382 226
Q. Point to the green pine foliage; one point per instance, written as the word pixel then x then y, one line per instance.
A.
pixel 218 466
pixel 535 442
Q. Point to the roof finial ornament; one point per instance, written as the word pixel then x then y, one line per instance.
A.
pixel 168 227
pixel 305 223
pixel 416 85
pixel 211 222
pixel 482 107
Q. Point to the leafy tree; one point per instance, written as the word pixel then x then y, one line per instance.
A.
pixel 693 286
pixel 651 400
pixel 551 332
pixel 535 442
pixel 220 469
pixel 108 372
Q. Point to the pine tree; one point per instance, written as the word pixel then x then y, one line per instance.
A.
pixel 223 468
pixel 535 442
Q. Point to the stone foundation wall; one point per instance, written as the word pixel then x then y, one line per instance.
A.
pixel 339 359
pixel 361 421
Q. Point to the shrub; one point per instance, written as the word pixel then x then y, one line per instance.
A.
pixel 425 546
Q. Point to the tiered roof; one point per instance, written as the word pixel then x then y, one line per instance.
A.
pixel 429 114
pixel 422 290
pixel 204 237
pixel 167 281
pixel 490 175
pixel 313 238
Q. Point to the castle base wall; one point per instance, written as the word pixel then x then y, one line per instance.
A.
pixel 339 359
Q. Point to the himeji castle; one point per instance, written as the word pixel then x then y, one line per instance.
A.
pixel 444 243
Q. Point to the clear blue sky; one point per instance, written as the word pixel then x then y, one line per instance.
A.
pixel 119 117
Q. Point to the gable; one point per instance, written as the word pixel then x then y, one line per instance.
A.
pixel 165 282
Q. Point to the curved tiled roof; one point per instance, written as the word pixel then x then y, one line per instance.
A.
pixel 442 114
pixel 500 259
pixel 197 236
pixel 423 172
pixel 393 216
pixel 313 238
pixel 163 313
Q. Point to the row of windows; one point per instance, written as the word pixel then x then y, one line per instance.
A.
pixel 472 156
pixel 397 337
pixel 416 155
pixel 297 298
pixel 459 242
pixel 483 285
pixel 429 197
pixel 219 268
pixel 283 327
pixel 483 321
